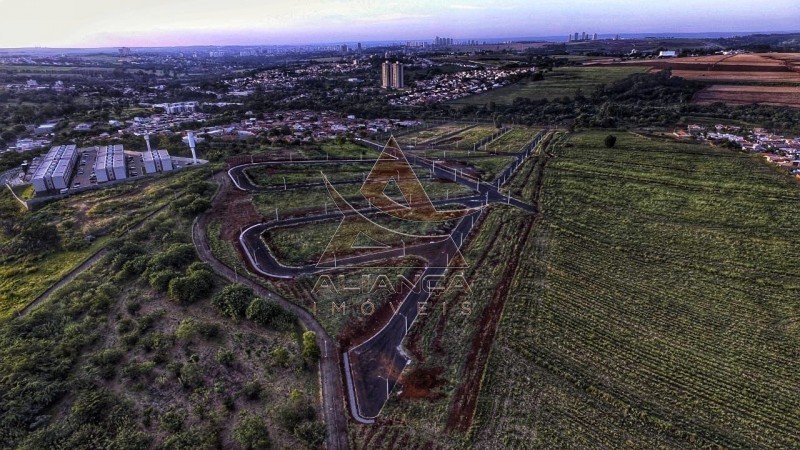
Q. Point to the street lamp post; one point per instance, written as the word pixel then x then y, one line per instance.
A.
pixel 387 385
pixel 404 318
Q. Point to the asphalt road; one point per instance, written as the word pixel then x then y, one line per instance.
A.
pixel 373 367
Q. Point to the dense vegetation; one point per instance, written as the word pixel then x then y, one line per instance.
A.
pixel 91 366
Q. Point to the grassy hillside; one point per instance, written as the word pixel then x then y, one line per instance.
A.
pixel 137 353
pixel 560 82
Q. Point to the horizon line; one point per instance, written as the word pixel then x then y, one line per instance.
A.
pixel 510 39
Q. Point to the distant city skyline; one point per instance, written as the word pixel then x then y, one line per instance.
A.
pixel 154 23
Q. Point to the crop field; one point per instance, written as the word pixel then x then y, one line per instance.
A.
pixel 744 95
pixel 756 68
pixel 561 82
pixel 655 307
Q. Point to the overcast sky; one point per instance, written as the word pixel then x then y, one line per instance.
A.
pixel 97 23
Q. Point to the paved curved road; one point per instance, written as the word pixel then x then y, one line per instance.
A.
pixel 373 367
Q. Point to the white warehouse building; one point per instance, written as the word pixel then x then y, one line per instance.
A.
pixel 55 169
pixel 110 163
pixel 157 161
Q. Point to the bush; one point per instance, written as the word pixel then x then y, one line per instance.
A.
pixel 225 357
pixel 172 421
pixel 610 141
pixel 262 312
pixel 160 280
pixel 310 347
pixel 251 432
pixel 252 390
pixel 293 413
pixel 189 289
pixel 312 433
pixel 267 313
pixel 191 376
pixel 106 361
pixel 280 356
pixel 233 300
pixel 187 329
pixel 176 256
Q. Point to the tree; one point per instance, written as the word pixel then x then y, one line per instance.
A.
pixel 233 300
pixel 37 237
pixel 610 141
pixel 190 288
pixel 251 432
pixel 313 433
pixel 310 347
pixel 262 312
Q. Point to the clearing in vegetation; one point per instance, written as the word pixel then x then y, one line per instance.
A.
pixel 558 83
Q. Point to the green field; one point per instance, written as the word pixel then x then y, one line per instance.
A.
pixel 513 141
pixel 316 198
pixel 429 134
pixel 561 82
pixel 466 139
pixel 488 168
pixel 275 175
pixel 655 306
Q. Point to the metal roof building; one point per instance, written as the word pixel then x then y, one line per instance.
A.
pixel 157 161
pixel 110 163
pixel 55 169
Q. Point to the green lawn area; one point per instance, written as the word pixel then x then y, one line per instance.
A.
pixel 513 141
pixel 561 82
pixel 488 168
pixel 422 136
pixel 295 201
pixel 468 138
pixel 275 175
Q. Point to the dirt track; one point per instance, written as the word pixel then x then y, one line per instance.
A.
pixel 330 376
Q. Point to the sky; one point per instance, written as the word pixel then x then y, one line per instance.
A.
pixel 140 23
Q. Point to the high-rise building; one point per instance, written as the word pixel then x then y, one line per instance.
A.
pixel 397 76
pixel 386 75
pixel 577 36
pixel 392 75
pixel 594 37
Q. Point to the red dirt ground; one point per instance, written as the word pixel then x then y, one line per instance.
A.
pixel 746 68
pixel 420 383
pixel 465 398
pixel 744 95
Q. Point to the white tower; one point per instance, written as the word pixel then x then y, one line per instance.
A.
pixel 191 146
